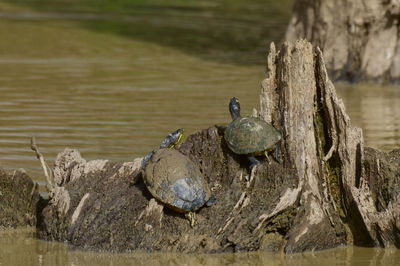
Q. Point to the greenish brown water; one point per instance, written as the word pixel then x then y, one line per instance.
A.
pixel 19 247
pixel 107 96
pixel 114 84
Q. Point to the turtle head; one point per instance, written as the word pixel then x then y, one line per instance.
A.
pixel 234 108
pixel 172 139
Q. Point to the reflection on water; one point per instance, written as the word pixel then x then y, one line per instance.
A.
pixel 19 247
pixel 376 110
pixel 109 97
pixel 233 31
pixel 114 86
pixel 115 98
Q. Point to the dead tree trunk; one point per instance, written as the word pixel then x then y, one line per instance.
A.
pixel 360 39
pixel 327 153
pixel 319 197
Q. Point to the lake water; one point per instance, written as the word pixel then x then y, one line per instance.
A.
pixel 113 86
pixel 19 247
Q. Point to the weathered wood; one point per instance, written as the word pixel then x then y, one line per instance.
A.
pixel 293 107
pixel 96 206
pixel 19 199
pixel 325 193
pixel 360 38
pixel 327 153
pixel 381 208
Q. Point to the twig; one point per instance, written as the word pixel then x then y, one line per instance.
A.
pixel 251 178
pixel 329 154
pixel 243 201
pixel 47 170
pixel 34 189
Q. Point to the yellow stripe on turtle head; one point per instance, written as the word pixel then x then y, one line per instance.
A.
pixel 181 135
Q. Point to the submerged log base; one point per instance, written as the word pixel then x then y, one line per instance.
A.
pixel 360 39
pixel 19 198
pixel 382 174
pixel 327 192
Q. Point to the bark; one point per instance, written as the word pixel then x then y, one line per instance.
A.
pixel 98 207
pixel 328 191
pixel 382 174
pixel 351 34
pixel 19 199
pixel 328 155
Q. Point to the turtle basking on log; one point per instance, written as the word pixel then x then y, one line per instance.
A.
pixel 251 136
pixel 174 179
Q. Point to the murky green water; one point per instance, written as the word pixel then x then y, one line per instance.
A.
pixel 114 84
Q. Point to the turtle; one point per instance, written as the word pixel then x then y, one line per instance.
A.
pixel 251 136
pixel 173 179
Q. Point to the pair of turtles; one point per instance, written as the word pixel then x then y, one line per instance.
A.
pixel 176 181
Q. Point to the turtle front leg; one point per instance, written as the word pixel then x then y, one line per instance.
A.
pixel 277 154
pixel 191 216
pixel 253 161
pixel 266 155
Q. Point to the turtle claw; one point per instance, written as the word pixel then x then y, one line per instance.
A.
pixel 191 217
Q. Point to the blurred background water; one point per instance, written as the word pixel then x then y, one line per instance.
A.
pixel 112 78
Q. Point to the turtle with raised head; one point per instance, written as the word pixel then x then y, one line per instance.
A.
pixel 174 179
pixel 251 136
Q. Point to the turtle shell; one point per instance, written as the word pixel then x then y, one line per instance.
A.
pixel 251 135
pixel 175 180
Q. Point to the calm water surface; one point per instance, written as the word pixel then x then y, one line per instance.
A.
pixel 19 247
pixel 114 96
pixel 109 97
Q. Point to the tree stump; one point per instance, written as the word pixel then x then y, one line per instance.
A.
pixel 328 155
pixel 351 34
pixel 328 191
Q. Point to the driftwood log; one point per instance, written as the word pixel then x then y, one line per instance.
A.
pixel 19 199
pixel 351 34
pixel 328 191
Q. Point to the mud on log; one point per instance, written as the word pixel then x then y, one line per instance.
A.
pixel 327 192
pixel 360 39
